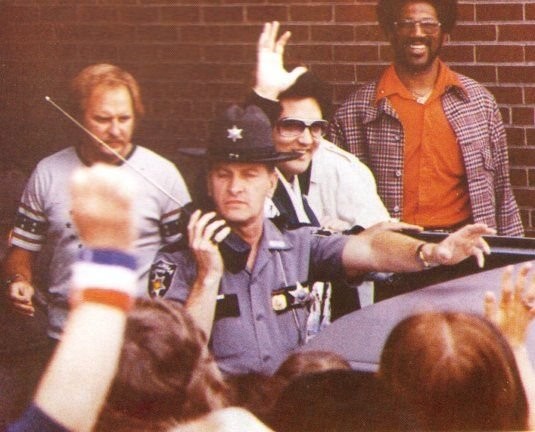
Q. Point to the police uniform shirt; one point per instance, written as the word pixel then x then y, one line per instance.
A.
pixel 260 314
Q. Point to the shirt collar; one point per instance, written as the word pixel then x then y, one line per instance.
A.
pixel 272 238
pixel 390 84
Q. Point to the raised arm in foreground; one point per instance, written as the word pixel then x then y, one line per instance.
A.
pixel 75 384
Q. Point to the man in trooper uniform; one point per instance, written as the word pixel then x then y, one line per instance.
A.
pixel 255 314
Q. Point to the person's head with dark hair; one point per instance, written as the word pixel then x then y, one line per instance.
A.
pixel 166 372
pixel 456 371
pixel 305 106
pixel 255 392
pixel 302 362
pixel 309 85
pixel 416 29
pixel 337 401
pixel 388 13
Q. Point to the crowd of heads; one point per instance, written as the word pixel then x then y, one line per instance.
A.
pixel 438 371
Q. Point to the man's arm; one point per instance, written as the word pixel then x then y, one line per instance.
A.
pixel 203 236
pixel 380 248
pixel 75 384
pixel 17 271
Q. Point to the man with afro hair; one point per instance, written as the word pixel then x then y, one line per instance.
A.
pixel 433 138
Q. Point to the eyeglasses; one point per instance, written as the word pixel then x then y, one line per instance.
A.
pixel 292 127
pixel 428 27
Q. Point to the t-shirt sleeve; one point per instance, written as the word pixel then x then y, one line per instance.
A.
pixel 31 223
pixel 35 420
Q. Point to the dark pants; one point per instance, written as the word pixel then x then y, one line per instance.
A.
pixel 25 350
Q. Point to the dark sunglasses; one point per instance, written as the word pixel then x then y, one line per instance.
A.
pixel 293 127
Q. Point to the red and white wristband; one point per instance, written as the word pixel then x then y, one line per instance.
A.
pixel 105 276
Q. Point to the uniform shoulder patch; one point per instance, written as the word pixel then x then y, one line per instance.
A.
pixel 160 277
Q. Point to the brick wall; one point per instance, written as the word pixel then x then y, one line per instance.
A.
pixel 192 57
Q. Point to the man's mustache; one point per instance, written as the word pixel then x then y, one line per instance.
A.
pixel 418 41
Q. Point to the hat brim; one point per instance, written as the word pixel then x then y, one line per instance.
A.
pixel 235 157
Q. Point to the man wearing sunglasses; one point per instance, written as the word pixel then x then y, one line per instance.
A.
pixel 433 138
pixel 326 186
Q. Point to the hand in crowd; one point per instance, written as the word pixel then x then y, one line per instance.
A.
pixel 271 76
pixel 204 234
pixel 102 205
pixel 461 244
pixel 516 308
pixel 20 294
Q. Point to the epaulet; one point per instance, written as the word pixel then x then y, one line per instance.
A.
pixel 179 245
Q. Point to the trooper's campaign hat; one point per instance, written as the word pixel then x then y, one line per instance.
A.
pixel 241 135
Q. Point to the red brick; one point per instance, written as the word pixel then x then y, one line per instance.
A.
pixel 368 72
pixel 516 32
pixel 525 197
pixel 322 14
pixel 58 13
pixel 516 74
pixel 157 33
pixel 466 12
pixel 530 53
pixel 142 15
pixel 199 33
pixel 355 13
pixel 457 53
pixel 483 74
pixel 179 53
pixel 519 177
pixel 499 53
pixel 531 179
pixel 263 14
pixel 522 116
pixel 135 52
pixel 244 33
pixel 515 136
pixel 99 51
pixel 331 33
pixel 21 14
pixel 530 11
pixel 223 14
pixel 530 136
pixel 499 12
pixel 522 157
pixel 315 52
pixel 466 32
pixel 180 14
pixel 506 115
pixel 356 53
pixel 224 53
pixel 98 13
pixel 369 33
pixel 506 95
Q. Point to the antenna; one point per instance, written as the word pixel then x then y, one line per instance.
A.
pixel 117 154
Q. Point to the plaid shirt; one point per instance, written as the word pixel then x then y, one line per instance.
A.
pixel 372 131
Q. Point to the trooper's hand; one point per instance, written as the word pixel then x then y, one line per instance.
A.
pixel 204 235
pixel 461 244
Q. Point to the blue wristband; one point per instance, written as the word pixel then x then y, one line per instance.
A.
pixel 109 257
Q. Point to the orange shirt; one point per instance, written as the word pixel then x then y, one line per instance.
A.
pixel 435 190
